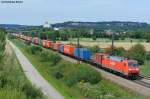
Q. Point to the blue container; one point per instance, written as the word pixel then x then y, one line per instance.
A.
pixel 85 54
pixel 76 52
pixel 61 48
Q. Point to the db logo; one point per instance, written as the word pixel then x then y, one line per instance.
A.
pixel 112 63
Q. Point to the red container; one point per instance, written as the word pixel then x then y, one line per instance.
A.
pixel 98 58
pixel 44 43
pixel 56 46
pixel 36 40
pixel 21 36
pixel 24 37
pixel 49 44
pixel 27 38
pixel 69 49
pixel 30 39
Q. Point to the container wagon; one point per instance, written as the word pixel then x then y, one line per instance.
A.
pixel 44 43
pixel 36 40
pixel 61 49
pixel 84 54
pixel 69 50
pixel 29 38
pixel 49 44
pixel 56 46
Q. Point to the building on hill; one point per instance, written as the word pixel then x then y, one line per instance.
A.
pixel 46 25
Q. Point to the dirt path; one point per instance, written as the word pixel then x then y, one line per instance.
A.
pixel 35 78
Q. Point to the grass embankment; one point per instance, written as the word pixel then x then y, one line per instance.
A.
pixel 13 83
pixel 145 69
pixel 72 80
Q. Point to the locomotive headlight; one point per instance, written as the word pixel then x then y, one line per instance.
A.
pixel 130 69
pixel 137 69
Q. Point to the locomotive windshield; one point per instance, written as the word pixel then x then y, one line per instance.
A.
pixel 133 63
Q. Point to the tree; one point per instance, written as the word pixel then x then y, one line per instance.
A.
pixel 138 53
pixel 119 51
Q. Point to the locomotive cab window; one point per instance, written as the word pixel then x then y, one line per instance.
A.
pixel 132 64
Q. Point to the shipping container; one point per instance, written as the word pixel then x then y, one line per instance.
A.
pixel 76 52
pixel 21 36
pixel 85 54
pixel 61 49
pixel 36 40
pixel 44 43
pixel 98 57
pixel 69 50
pixel 49 44
pixel 29 38
pixel 56 46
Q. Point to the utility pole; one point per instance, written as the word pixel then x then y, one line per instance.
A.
pixel 112 43
pixel 111 33
pixel 78 49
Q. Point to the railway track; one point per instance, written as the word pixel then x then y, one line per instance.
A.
pixel 145 77
pixel 143 80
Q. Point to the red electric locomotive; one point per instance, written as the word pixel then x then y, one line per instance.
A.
pixel 128 68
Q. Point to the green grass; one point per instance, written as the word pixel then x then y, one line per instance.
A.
pixel 13 83
pixel 145 69
pixel 103 89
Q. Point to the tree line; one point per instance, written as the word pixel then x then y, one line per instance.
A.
pixel 84 32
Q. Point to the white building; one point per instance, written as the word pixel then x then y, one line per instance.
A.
pixel 46 25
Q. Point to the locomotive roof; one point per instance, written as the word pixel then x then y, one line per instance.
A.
pixel 115 58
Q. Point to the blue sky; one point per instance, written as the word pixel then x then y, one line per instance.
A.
pixel 36 12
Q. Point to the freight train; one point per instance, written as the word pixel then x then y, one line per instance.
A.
pixel 127 67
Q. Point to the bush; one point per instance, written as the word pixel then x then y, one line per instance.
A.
pixel 94 38
pixel 34 50
pixel 137 52
pixel 71 74
pixel 82 73
pixel 119 51
pixel 10 36
pixel 58 75
pixel 47 56
pixel 95 49
pixel 44 56
pixel 31 91
pixel 54 58
pixel 28 42
pixel 148 56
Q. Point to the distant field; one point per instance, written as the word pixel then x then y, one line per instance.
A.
pixel 104 43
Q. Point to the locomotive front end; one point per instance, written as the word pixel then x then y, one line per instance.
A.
pixel 133 69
